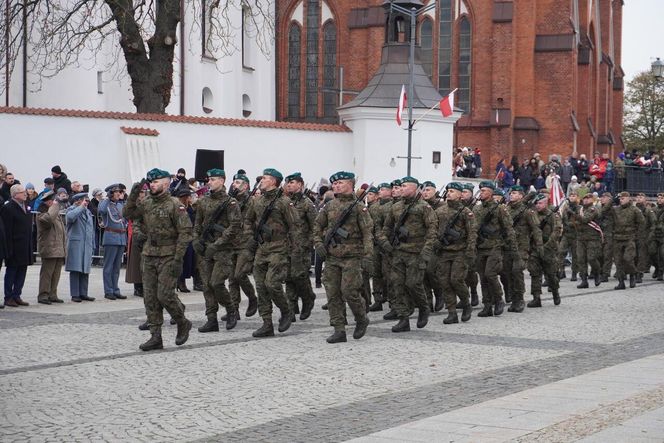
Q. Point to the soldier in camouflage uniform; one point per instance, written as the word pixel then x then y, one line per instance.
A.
pixel 529 245
pixel 433 287
pixel 545 263
pixel 389 257
pixel 568 243
pixel 378 211
pixel 409 233
pixel 605 222
pixel 345 255
pixel 658 238
pixel 269 224
pixel 588 240
pixel 455 251
pixel 645 250
pixel 239 279
pixel 168 230
pixel 472 280
pixel 214 234
pixel 628 221
pixel 373 205
pixel 298 284
pixel 495 231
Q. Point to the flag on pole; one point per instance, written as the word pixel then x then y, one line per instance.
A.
pixel 403 101
pixel 557 194
pixel 447 104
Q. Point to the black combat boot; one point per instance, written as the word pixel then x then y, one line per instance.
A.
pixel 267 330
pixel 423 317
pixel 598 279
pixel 584 282
pixel 324 307
pixel 231 319
pixel 452 317
pixel 392 315
pixel 182 286
pixel 573 277
pixel 562 275
pixel 632 280
pixel 138 289
pixel 212 325
pixel 487 311
pixel 172 321
pixel 440 303
pixel 252 308
pixel 536 302
pixel 153 343
pixel 639 277
pixel 307 307
pixel 184 326
pixel 225 317
pixel 498 308
pixel 556 297
pixel 516 306
pixel 402 326
pixel 285 321
pixel 474 299
pixel 508 297
pixel 466 313
pixel 376 306
pixel 621 284
pixel 337 337
pixel 360 329
pixel 144 326
pixel 605 278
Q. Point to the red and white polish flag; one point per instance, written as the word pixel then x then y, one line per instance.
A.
pixel 447 104
pixel 557 195
pixel 403 102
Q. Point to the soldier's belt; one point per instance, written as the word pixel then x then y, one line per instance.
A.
pixel 115 230
pixel 162 242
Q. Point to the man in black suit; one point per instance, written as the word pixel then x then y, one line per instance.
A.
pixel 17 222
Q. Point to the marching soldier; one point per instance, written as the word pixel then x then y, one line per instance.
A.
pixel 645 250
pixel 218 223
pixel 605 222
pixel 378 210
pixel 408 233
pixel 343 236
pixel 545 263
pixel 432 284
pixel 628 220
pixel 389 275
pixel 568 242
pixel 471 278
pixel 658 236
pixel 588 240
pixel 455 251
pixel 168 230
pixel 494 232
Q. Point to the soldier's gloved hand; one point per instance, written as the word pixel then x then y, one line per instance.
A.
pixel 368 265
pixel 199 248
pixel 321 252
pixel 437 245
pixel 176 267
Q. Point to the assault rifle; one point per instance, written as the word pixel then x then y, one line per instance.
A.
pixel 337 233
pixel 553 211
pixel 451 235
pixel 211 226
pixel 526 204
pixel 400 233
pixel 263 232
pixel 244 202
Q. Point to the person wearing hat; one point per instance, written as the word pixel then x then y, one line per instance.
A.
pixel 31 195
pixel 408 234
pixel 645 251
pixel 51 245
pixel 18 240
pixel 658 238
pixel 269 225
pixel 568 241
pixel 185 195
pixel 60 179
pixel 389 277
pixel 588 241
pixel 432 285
pixel 298 284
pixel 529 243
pixel 373 205
pixel 455 249
pixel 546 262
pixel 239 278
pixel 80 245
pixel 346 256
pixel 135 241
pixel 628 221
pixel 381 259
pixel 605 221
pixel 168 231
pixel 495 234
pixel 114 239
pixel 218 225
pixel 472 280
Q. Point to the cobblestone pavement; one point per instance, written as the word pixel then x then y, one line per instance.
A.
pixel 74 372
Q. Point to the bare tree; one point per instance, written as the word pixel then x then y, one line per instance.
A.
pixel 644 113
pixel 60 33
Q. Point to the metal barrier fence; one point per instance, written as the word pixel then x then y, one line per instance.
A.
pixel 636 179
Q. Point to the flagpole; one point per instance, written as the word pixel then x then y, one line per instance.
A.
pixel 411 88
pixel 433 107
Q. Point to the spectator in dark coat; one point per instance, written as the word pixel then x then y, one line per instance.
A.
pixel 18 239
pixel 60 179
pixel 583 167
pixel 525 175
pixel 566 173
pixel 5 186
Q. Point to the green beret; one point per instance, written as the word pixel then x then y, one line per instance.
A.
pixel 539 197
pixel 497 191
pixel 216 172
pixel 428 184
pixel 294 176
pixel 468 186
pixel 384 185
pixel 396 182
pixel 372 189
pixel 454 185
pixel 156 173
pixel 517 188
pixel 241 177
pixel 487 184
pixel 342 175
pixel 273 173
pixel 409 179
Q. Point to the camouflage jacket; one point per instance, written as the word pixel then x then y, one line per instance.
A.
pixel 650 221
pixel 435 202
pixel 570 224
pixel 166 224
pixel 629 222
pixel 526 226
pixel 552 231
pixel 464 226
pixel 359 227
pixel 305 219
pixel 375 211
pixel 498 231
pixel 586 217
pixel 225 230
pixel 278 227
pixel 420 227
pixel 244 202
pixel 659 222
pixel 605 219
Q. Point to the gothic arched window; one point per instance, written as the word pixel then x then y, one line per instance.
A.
pixel 294 41
pixel 426 44
pixel 313 32
pixel 329 69
pixel 444 46
pixel 464 67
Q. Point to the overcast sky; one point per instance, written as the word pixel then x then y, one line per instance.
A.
pixel 643 35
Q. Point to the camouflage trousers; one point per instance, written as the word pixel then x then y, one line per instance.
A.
pixel 471 279
pixel 408 283
pixel 342 278
pixel 607 255
pixel 645 254
pixel 298 283
pixel 159 291
pixel 242 282
pixel 516 284
pixel 378 278
pixel 388 284
pixel 658 253
pixel 270 272
pixel 214 274
pixel 624 254
pixel 432 281
pixel 452 269
pixel 568 244
pixel 546 266
pixel 489 263
pixel 588 253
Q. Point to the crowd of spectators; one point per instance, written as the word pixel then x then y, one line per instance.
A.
pixel 467 162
